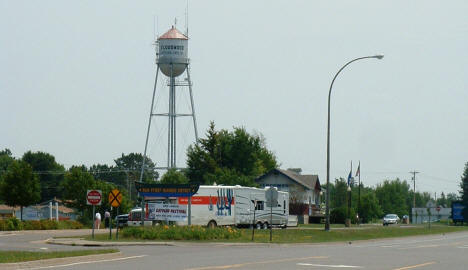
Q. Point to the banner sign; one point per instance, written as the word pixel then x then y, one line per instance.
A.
pixel 169 212
pixel 166 190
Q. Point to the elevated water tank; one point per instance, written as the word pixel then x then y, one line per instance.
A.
pixel 172 58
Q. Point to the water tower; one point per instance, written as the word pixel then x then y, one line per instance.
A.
pixel 172 60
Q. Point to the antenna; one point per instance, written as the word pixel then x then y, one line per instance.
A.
pixel 154 27
pixel 186 20
pixel 175 22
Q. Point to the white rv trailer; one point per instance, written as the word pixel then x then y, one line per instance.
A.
pixel 234 205
pixel 226 205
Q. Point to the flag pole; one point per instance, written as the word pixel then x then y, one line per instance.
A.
pixel 359 194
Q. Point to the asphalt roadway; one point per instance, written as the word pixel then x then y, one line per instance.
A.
pixel 441 251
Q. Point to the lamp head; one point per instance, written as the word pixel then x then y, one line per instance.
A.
pixel 379 56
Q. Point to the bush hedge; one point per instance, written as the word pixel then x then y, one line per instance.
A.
pixel 165 232
pixel 338 215
pixel 14 224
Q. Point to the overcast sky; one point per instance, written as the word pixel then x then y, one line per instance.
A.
pixel 76 80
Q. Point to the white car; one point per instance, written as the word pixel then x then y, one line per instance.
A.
pixel 390 219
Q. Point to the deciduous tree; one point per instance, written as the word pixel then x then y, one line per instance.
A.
pixel 229 157
pixel 20 186
pixel 173 176
pixel 50 173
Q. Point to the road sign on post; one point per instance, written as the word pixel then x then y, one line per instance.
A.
pixel 271 195
pixel 93 197
pixel 115 198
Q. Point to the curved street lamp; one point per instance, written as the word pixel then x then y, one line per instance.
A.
pixel 327 202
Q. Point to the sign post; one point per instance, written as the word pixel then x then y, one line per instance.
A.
pixel 115 199
pixel 94 197
pixel 253 222
pixel 271 195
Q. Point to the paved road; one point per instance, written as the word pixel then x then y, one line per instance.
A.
pixel 449 251
pixel 35 240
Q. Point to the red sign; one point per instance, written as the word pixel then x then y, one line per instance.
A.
pixel 202 200
pixel 93 197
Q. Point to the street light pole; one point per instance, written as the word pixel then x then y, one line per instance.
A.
pixel 327 209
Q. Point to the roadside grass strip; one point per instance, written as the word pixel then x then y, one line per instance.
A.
pixel 24 256
pixel 226 234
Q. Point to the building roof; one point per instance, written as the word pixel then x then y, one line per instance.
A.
pixel 173 33
pixel 309 181
pixel 6 209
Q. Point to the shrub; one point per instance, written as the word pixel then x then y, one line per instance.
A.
pixel 11 224
pixel 69 224
pixel 32 225
pixel 339 215
pixel 47 224
pixel 165 232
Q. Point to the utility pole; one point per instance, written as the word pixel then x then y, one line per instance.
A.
pixel 414 187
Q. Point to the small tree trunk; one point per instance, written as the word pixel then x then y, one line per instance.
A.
pixel 21 213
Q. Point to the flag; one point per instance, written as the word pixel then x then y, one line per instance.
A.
pixel 349 178
pixel 358 172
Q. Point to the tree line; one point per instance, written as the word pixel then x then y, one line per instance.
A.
pixel 223 157
pixel 391 196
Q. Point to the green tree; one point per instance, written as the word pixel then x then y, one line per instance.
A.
pixel 20 186
pixel 5 160
pixel 173 176
pixel 50 173
pixel 132 163
pixel 464 191
pixel 370 208
pixel 225 157
pixel 339 193
pixel 450 198
pixel 78 181
pixel 74 187
pixel 393 196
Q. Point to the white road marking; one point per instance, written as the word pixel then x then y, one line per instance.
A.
pixel 43 248
pixel 424 246
pixel 87 262
pixel 329 265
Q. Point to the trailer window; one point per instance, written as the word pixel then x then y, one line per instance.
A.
pixel 260 205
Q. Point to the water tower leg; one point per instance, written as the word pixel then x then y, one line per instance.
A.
pixel 193 108
pixel 149 124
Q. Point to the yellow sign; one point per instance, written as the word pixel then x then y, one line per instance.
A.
pixel 115 198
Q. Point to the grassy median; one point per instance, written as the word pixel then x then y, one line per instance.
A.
pixel 23 256
pixel 303 234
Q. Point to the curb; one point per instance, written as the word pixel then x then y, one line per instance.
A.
pixel 87 243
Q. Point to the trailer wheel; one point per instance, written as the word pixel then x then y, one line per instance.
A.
pixel 265 226
pixel 258 226
pixel 211 224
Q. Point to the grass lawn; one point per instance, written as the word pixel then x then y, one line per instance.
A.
pixel 316 234
pixel 23 256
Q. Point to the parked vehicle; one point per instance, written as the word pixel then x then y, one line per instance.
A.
pixel 390 219
pixel 134 218
pixel 235 205
pixel 121 220
pixel 227 205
